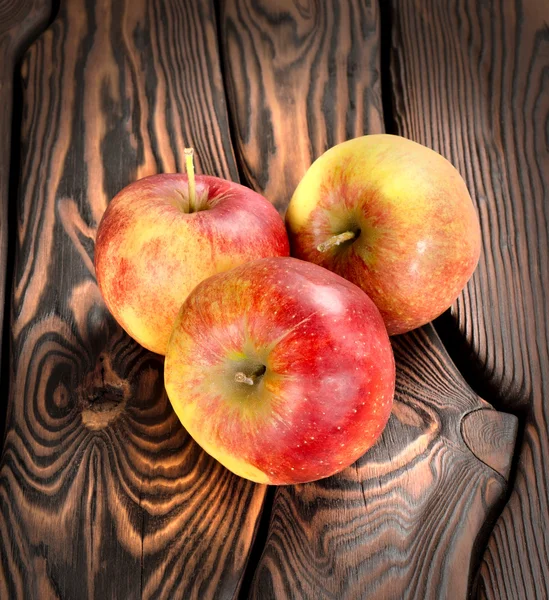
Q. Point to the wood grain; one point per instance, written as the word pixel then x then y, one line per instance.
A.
pixel 102 493
pixel 309 62
pixel 20 20
pixel 490 437
pixel 403 521
pixel 406 520
pixel 477 90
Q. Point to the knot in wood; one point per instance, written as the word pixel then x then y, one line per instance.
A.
pixel 103 395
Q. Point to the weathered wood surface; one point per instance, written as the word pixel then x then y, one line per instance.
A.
pixel 102 493
pixel 408 518
pixel 20 20
pixel 311 62
pixel 477 90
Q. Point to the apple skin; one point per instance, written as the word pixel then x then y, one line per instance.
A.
pixel 151 251
pixel 419 239
pixel 328 387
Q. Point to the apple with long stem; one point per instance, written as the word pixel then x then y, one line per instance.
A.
pixel 393 217
pixel 164 234
pixel 281 370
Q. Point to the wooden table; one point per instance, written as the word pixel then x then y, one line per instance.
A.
pixel 102 493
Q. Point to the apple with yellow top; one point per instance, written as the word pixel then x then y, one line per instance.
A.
pixel 281 370
pixel 164 234
pixel 393 217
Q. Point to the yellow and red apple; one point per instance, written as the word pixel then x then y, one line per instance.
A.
pixel 160 237
pixel 393 217
pixel 281 370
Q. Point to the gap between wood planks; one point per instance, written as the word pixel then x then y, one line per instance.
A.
pixel 262 526
pixel 14 181
pixel 13 192
pixel 454 346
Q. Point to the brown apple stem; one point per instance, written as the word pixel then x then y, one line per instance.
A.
pixel 335 240
pixel 189 166
pixel 243 378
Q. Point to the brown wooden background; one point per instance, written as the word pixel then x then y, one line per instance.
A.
pixel 102 493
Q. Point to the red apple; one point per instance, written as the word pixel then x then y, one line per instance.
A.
pixel 153 246
pixel 393 217
pixel 281 370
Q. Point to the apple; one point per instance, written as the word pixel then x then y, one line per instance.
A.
pixel 393 217
pixel 281 370
pixel 164 234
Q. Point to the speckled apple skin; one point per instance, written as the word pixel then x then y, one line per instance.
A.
pixel 419 237
pixel 329 383
pixel 150 253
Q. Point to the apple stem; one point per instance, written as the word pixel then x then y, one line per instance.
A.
pixel 189 166
pixel 335 240
pixel 242 378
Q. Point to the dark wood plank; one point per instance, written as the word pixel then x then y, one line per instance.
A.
pixel 20 21
pixel 404 521
pixel 102 493
pixel 311 62
pixel 471 80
